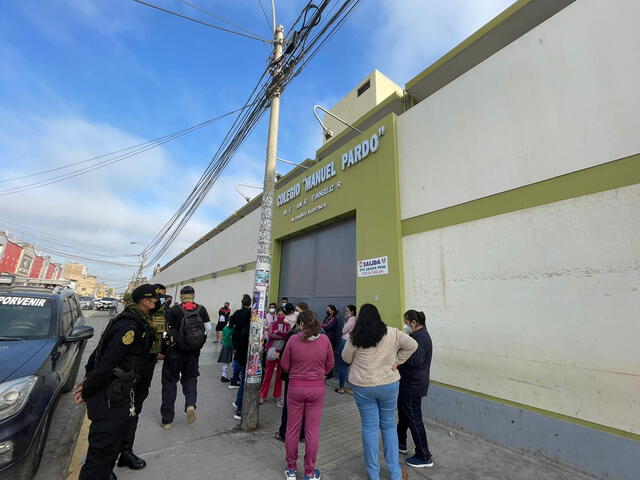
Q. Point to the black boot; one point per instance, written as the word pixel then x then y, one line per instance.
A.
pixel 131 460
pixel 113 476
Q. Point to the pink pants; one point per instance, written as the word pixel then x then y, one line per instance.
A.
pixel 266 381
pixel 303 402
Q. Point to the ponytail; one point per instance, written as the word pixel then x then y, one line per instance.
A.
pixel 415 316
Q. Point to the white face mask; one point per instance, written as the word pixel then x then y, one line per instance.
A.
pixel 283 304
pixel 407 329
pixel 272 310
pixel 297 313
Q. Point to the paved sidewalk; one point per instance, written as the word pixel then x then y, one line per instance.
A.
pixel 214 448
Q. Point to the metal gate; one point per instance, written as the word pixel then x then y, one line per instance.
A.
pixel 319 268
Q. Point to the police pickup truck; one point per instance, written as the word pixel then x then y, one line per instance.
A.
pixel 42 337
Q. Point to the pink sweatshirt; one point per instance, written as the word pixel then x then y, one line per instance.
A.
pixel 348 326
pixel 307 361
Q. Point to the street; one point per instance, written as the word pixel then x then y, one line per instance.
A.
pixel 214 447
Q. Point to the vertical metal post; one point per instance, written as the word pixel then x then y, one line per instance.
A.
pixel 253 377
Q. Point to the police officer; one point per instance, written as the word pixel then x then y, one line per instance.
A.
pixel 155 329
pixel 108 385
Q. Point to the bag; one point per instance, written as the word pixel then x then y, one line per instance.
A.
pixel 191 334
pixel 272 354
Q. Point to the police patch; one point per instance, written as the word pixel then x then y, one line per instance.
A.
pixel 127 339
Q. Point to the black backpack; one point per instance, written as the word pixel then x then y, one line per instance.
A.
pixel 191 334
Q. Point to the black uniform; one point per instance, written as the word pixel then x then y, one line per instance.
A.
pixel 141 390
pixel 179 365
pixel 108 389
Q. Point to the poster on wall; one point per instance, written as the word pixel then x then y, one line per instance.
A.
pixel 372 267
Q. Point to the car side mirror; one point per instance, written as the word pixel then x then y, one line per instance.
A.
pixel 78 334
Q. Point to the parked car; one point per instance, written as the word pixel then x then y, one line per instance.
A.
pixel 42 337
pixel 86 303
pixel 96 303
pixel 105 303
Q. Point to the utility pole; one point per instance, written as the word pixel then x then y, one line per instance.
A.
pixel 253 376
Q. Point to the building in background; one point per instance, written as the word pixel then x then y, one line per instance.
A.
pixel 499 192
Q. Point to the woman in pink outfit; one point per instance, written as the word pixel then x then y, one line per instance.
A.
pixel 308 357
pixel 278 330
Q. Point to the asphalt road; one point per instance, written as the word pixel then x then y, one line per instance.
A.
pixel 68 416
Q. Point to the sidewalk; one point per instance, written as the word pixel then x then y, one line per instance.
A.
pixel 214 448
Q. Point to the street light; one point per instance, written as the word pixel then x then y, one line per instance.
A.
pixel 292 163
pixel 325 131
pixel 247 199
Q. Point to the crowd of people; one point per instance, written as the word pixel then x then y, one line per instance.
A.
pixel 387 369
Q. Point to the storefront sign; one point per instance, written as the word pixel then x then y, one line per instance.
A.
pixel 373 266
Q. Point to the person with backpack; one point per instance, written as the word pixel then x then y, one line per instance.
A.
pixel 187 324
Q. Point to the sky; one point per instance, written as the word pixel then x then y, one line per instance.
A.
pixel 81 78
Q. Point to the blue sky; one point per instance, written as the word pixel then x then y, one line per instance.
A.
pixel 80 78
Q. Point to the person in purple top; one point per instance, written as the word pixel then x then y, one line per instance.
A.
pixel 330 329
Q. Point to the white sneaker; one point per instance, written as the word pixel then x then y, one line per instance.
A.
pixel 191 414
pixel 237 417
pixel 290 474
pixel 234 405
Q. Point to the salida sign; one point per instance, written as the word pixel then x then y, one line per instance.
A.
pixel 373 266
pixel 348 159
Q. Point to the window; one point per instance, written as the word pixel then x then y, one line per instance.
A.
pixel 25 317
pixel 66 316
pixel 76 308
pixel 364 87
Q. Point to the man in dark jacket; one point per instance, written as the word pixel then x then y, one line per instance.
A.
pixel 414 384
pixel 187 323
pixel 108 387
pixel 155 329
pixel 240 321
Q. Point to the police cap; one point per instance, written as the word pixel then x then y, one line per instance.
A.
pixel 145 291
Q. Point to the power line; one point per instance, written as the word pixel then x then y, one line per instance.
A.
pixel 213 15
pixel 201 22
pixel 264 12
pixel 131 151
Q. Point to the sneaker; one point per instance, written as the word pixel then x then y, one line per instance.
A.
pixel 290 474
pixel 233 385
pixel 262 401
pixel 316 475
pixel 234 405
pixel 403 449
pixel 278 437
pixel 237 416
pixel 224 379
pixel 419 463
pixel 191 414
pixel 280 404
pixel 167 426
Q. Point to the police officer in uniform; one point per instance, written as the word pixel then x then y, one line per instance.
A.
pixel 108 387
pixel 155 329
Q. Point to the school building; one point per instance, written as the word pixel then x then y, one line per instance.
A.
pixel 498 191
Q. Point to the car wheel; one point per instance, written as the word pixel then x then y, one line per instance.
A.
pixel 71 380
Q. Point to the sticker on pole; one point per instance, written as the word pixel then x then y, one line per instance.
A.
pixel 372 267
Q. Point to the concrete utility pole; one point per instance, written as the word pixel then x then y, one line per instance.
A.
pixel 253 377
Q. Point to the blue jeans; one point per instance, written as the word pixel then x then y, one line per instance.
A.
pixel 377 406
pixel 240 395
pixel 342 366
pixel 236 373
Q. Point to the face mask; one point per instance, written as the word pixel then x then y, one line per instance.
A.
pixel 297 313
pixel 283 304
pixel 156 307
pixel 280 317
pixel 407 329
pixel 272 310
pixel 162 301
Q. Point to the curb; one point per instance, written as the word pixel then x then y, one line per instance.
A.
pixel 79 450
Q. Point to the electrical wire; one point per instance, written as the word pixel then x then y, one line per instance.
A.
pixel 301 48
pixel 264 12
pixel 131 151
pixel 213 15
pixel 202 23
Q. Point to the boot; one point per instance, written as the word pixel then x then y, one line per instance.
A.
pixel 131 460
pixel 112 476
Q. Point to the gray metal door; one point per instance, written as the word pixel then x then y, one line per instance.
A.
pixel 319 268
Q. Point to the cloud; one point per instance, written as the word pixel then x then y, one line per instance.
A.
pixel 415 33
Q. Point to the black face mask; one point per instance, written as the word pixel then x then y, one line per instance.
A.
pixel 328 313
pixel 156 307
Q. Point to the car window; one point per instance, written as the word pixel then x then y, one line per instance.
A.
pixel 78 310
pixel 25 317
pixel 66 315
